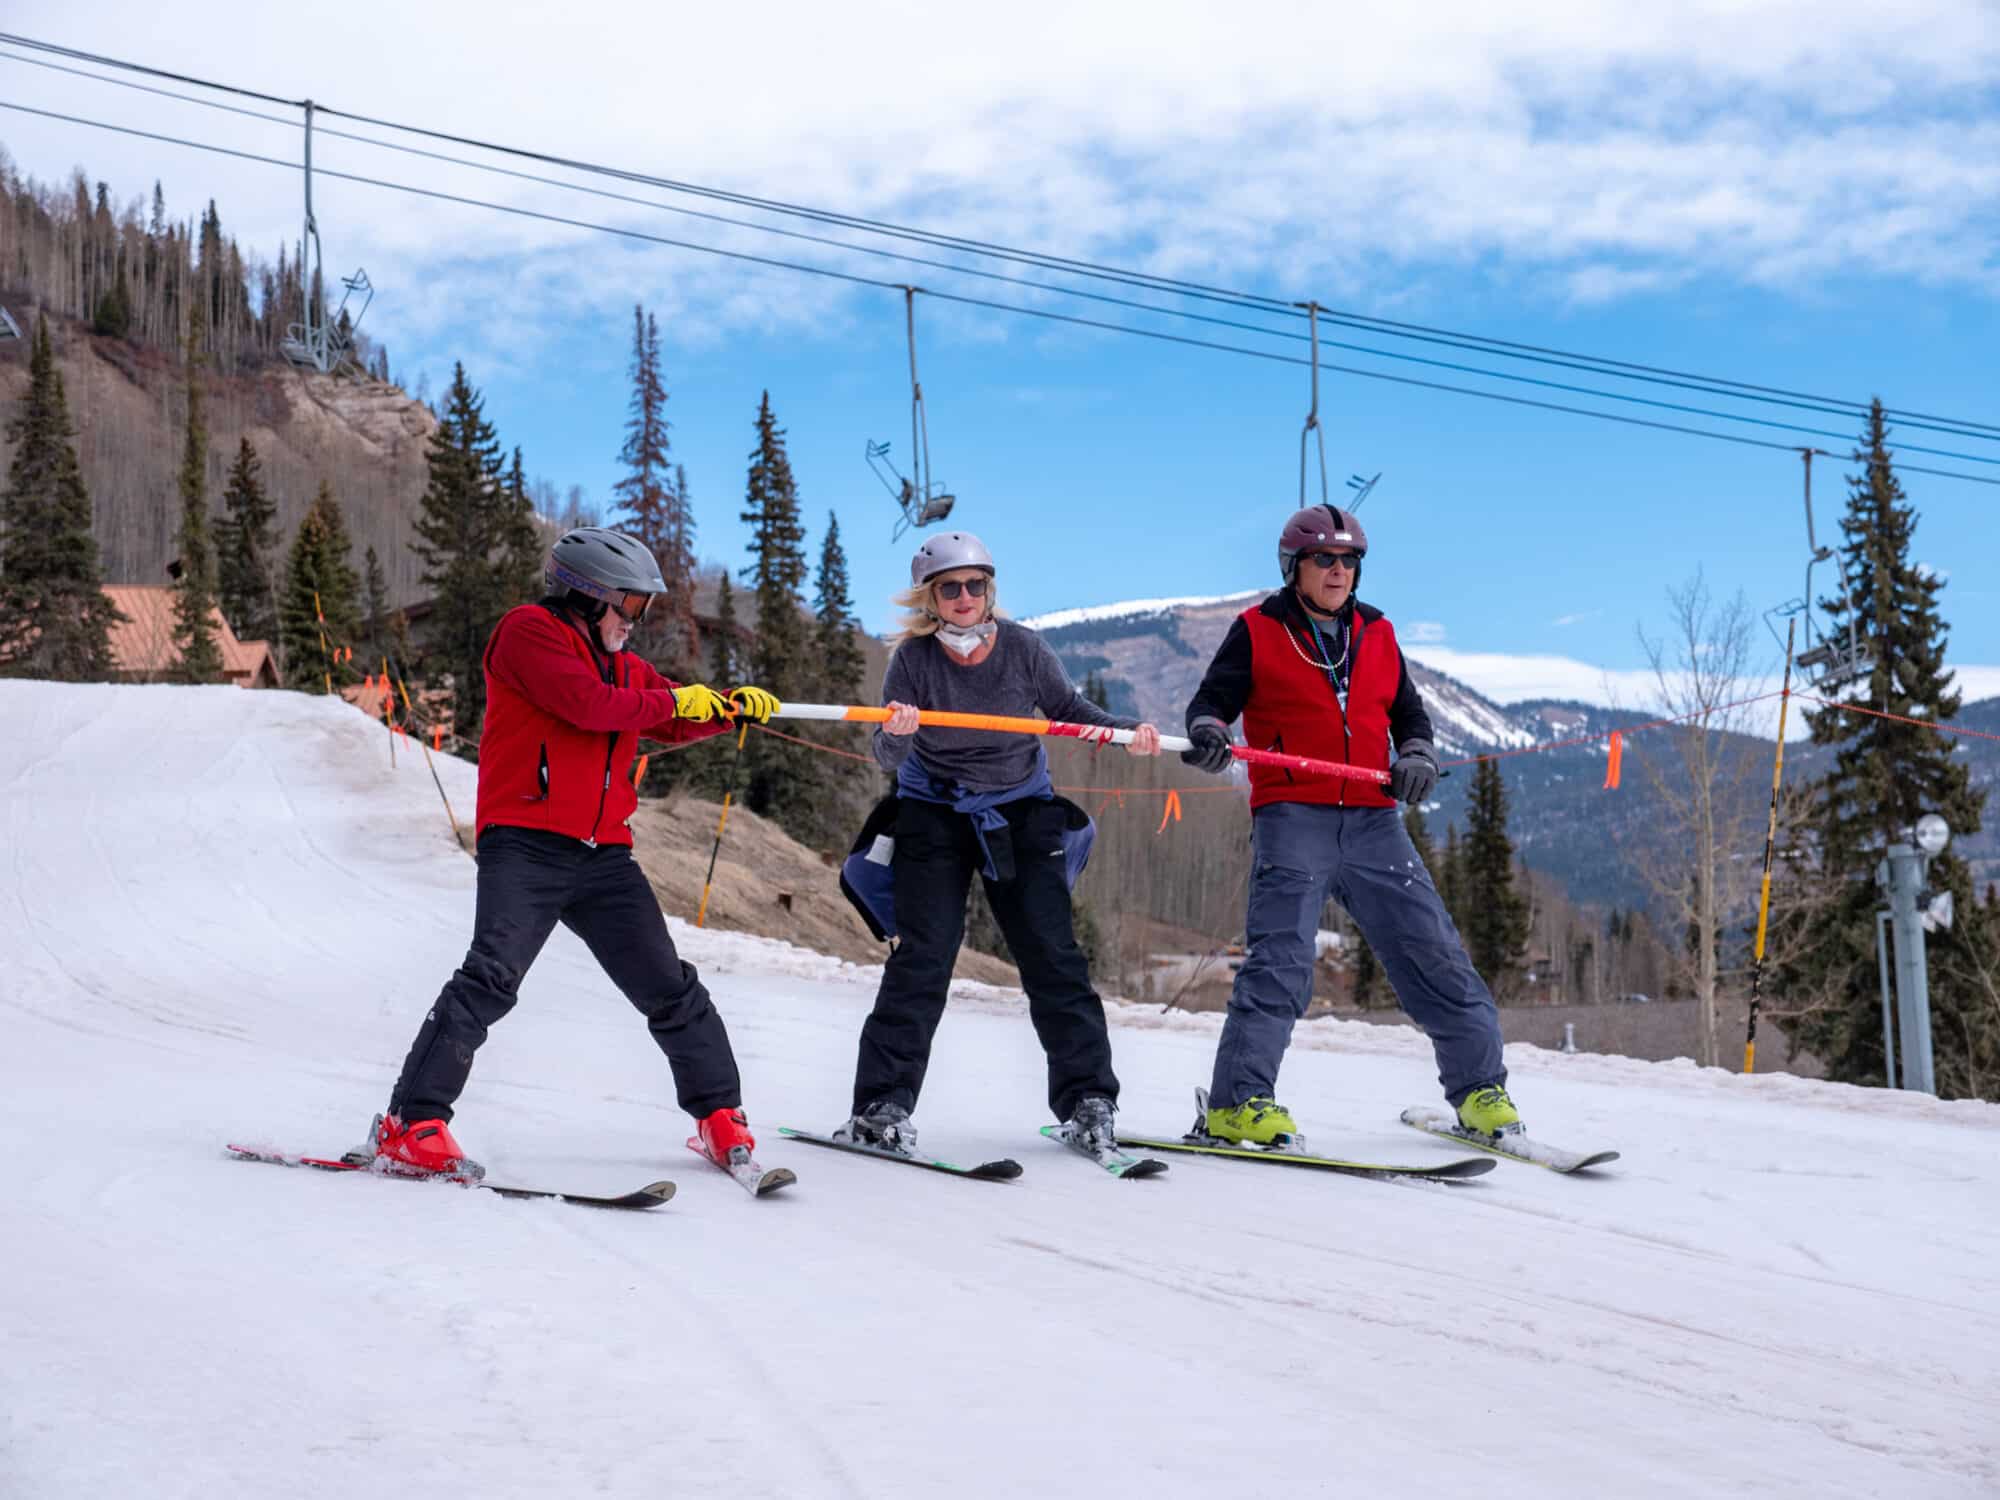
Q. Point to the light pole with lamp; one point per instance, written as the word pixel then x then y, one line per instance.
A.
pixel 1901 876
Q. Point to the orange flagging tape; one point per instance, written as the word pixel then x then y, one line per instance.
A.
pixel 1171 810
pixel 1614 761
pixel 437 736
pixel 639 771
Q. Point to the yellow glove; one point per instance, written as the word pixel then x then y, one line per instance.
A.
pixel 754 702
pixel 700 703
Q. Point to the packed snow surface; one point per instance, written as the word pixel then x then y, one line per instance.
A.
pixel 222 915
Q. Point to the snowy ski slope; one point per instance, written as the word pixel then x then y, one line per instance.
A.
pixel 222 915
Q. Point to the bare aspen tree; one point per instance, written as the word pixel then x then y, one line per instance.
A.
pixel 1701 666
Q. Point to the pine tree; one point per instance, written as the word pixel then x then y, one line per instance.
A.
pixel 656 509
pixel 319 615
pixel 200 656
pixel 841 667
pixel 724 668
pixel 782 779
pixel 680 570
pixel 55 618
pixel 1451 875
pixel 837 636
pixel 645 490
pixel 523 557
pixel 246 545
pixel 468 538
pixel 1886 773
pixel 1496 916
pixel 709 773
pixel 375 627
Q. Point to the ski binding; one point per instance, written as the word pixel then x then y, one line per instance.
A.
pixel 1445 1125
pixel 1114 1161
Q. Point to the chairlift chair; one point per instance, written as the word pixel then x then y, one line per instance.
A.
pixel 921 500
pixel 323 345
pixel 1833 663
pixel 1312 429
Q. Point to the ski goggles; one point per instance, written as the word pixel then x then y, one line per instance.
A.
pixel 634 606
pixel 1347 560
pixel 974 588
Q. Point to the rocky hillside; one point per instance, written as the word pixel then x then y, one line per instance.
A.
pixel 364 437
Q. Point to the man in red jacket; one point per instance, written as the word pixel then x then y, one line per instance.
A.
pixel 1315 672
pixel 566 706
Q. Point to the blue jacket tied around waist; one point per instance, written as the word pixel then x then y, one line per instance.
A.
pixel 866 879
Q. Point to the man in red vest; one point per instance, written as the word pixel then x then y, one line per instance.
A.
pixel 1313 671
pixel 566 706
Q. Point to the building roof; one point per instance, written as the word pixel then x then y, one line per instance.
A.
pixel 142 646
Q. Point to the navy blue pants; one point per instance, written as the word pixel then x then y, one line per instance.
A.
pixel 1362 858
pixel 528 881
pixel 937 856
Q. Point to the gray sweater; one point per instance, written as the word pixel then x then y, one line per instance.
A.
pixel 1020 676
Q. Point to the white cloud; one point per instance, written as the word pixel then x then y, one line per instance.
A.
pixel 1565 621
pixel 1598 151
pixel 1422 633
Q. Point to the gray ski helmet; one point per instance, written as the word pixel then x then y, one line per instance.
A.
pixel 603 565
pixel 1320 527
pixel 948 550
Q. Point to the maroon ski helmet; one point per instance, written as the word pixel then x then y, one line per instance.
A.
pixel 1319 527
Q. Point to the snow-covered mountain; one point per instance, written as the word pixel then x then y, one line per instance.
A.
pixel 222 914
pixel 1151 654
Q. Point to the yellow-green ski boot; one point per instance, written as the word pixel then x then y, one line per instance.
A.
pixel 1489 1112
pixel 1256 1122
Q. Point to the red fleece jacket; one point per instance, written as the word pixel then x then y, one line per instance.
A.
pixel 563 721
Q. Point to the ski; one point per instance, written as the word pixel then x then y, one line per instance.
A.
pixel 744 1171
pixel 1004 1170
pixel 652 1195
pixel 1448 1171
pixel 1444 1125
pixel 1116 1162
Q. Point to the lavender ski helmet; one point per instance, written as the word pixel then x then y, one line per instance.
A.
pixel 1319 528
pixel 948 550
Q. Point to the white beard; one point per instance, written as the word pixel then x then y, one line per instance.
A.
pixel 965 642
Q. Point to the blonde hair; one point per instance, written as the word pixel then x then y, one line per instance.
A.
pixel 920 616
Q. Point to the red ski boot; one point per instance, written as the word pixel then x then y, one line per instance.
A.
pixel 423 1148
pixel 722 1132
pixel 723 1136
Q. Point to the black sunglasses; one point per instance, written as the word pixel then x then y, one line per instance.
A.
pixel 1347 560
pixel 974 587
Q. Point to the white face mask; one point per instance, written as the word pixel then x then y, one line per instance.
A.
pixel 967 641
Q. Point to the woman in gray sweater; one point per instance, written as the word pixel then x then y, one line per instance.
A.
pixel 971 802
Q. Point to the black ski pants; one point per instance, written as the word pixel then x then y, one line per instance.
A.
pixel 937 855
pixel 528 881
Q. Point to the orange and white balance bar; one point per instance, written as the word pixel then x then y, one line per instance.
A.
pixel 856 713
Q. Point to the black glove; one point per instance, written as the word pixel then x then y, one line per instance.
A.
pixel 1210 751
pixel 1415 775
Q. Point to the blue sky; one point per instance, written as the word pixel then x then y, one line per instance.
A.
pixel 1780 194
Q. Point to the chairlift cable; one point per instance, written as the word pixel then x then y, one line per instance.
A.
pixel 1603 365
pixel 965 300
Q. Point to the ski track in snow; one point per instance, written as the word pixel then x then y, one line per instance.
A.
pixel 226 914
